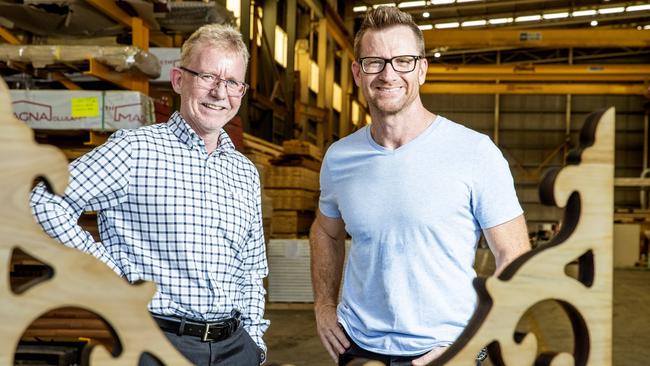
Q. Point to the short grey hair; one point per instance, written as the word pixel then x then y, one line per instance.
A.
pixel 223 36
pixel 385 17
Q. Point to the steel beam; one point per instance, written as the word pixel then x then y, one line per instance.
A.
pixel 124 80
pixel 114 12
pixel 531 38
pixel 531 88
pixel 540 72
pixel 337 30
pixel 8 36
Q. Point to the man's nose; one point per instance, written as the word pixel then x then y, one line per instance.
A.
pixel 219 89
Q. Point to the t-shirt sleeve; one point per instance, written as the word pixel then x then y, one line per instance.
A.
pixel 327 203
pixel 494 199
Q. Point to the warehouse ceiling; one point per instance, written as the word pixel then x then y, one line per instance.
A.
pixel 497 15
pixel 476 14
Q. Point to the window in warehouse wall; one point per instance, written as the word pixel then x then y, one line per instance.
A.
pixel 337 98
pixel 258 23
pixel 281 46
pixel 313 77
pixel 355 113
pixel 235 7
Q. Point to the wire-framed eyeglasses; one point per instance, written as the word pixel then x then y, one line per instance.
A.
pixel 211 81
pixel 402 63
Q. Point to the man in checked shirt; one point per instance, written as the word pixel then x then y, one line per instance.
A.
pixel 179 206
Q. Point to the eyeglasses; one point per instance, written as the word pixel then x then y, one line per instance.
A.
pixel 211 81
pixel 375 65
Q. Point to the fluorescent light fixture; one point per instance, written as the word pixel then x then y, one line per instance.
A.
pixel 528 18
pixel 474 23
pixel 436 55
pixel 425 27
pixel 360 9
pixel 638 7
pixel 555 15
pixel 593 23
pixel 426 14
pixel 618 9
pixel 584 13
pixel 391 5
pixel 500 20
pixel 465 1
pixel 411 4
pixel 646 27
pixel 441 2
pixel 447 25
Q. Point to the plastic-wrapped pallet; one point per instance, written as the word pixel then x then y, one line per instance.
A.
pixel 289 273
pixel 82 109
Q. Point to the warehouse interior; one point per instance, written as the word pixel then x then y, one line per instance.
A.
pixel 526 73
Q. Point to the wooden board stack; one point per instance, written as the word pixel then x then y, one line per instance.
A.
pixel 293 186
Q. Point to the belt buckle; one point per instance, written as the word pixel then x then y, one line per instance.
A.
pixel 206 332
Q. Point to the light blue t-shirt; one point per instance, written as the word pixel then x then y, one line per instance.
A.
pixel 415 215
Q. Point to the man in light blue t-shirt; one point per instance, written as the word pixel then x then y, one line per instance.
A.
pixel 414 191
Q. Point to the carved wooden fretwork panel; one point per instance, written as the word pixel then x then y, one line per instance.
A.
pixel 585 189
pixel 78 280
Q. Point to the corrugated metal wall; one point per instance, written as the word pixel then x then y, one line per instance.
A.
pixel 532 131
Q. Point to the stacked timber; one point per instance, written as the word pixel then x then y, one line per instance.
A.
pixel 293 186
pixel 261 153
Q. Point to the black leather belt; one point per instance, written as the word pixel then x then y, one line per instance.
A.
pixel 208 332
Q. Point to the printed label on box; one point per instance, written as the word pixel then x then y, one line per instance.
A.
pixel 84 107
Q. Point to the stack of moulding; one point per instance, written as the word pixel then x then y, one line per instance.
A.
pixel 297 147
pixel 293 199
pixel 294 191
pixel 293 184
pixel 293 177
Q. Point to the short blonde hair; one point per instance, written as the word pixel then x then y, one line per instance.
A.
pixel 222 36
pixel 385 17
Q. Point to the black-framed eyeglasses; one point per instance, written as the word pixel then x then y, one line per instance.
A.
pixel 206 80
pixel 402 63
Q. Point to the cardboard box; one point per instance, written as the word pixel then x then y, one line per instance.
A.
pixel 168 58
pixel 82 109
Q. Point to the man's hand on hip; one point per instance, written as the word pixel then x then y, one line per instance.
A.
pixel 329 330
pixel 428 357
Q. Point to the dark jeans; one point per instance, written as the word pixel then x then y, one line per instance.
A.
pixel 238 349
pixel 357 356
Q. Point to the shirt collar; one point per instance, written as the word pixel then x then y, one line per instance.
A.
pixel 189 137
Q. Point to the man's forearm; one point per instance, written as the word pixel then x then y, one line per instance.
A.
pixel 327 256
pixel 60 223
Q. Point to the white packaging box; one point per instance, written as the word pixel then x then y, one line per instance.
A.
pixel 168 58
pixel 82 109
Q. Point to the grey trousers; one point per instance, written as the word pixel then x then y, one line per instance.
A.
pixel 238 349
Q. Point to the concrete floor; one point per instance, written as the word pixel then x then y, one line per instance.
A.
pixel 292 337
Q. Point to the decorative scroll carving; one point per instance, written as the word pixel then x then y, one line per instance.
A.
pixel 585 189
pixel 77 279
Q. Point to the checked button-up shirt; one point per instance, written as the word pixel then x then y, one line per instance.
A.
pixel 170 213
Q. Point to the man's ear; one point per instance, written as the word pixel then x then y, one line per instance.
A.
pixel 176 78
pixel 356 73
pixel 422 70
